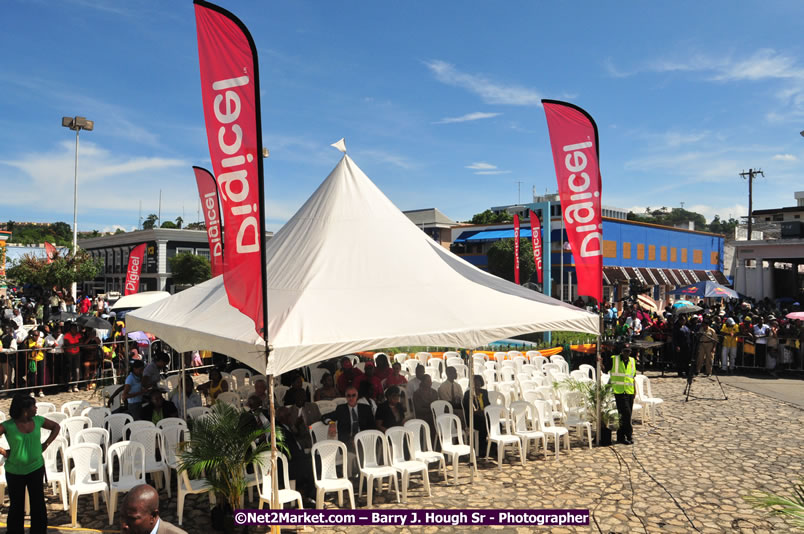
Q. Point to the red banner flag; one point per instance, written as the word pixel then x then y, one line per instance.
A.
pixel 208 193
pixel 516 249
pixel 574 140
pixel 50 250
pixel 230 94
pixel 134 270
pixel 536 240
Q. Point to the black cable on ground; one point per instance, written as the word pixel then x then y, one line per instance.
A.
pixel 600 501
pixel 622 461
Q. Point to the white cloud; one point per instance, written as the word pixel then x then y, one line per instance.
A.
pixel 490 91
pixel 493 172
pixel 468 117
pixel 785 157
pixel 481 166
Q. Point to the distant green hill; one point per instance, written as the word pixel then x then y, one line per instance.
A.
pixel 59 233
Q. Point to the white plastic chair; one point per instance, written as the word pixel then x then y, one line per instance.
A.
pixel 411 365
pixel 244 392
pixel 56 416
pixel 576 416
pixel 580 376
pixel 371 465
pixel 450 435
pixel 590 370
pixel 522 415
pixel 170 422
pixel 544 423
pixel 151 439
pixel 326 406
pixel 73 408
pixel 398 437
pixel 130 457
pixel 423 357
pixel 508 390
pixel 172 435
pixel 54 473
pixel 422 447
pixel 72 425
pixel 187 486
pixel 96 414
pixel 496 398
pixel 106 393
pixel 286 494
pixel 499 356
pixel 645 396
pixel 319 431
pixel 452 358
pixel 136 426
pixel 331 453
pixel 115 423
pixel 463 382
pixel 240 376
pixel 229 397
pixel 338 401
pixel 440 407
pixel 43 408
pixel 84 478
pixel 98 436
pixel 173 381
pixel 539 361
pixel 495 416
pixel 198 411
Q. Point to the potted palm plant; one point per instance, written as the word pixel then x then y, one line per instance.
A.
pixel 610 418
pixel 221 447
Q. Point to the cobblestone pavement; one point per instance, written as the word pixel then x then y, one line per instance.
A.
pixel 687 473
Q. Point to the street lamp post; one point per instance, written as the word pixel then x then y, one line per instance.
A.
pixel 77 124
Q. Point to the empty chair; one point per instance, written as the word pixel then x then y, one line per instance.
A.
pixel 106 393
pixel 73 408
pixel 84 477
pixel 173 381
pixel 561 362
pixel 580 376
pixel 151 439
pixel 240 376
pixel 440 407
pixel 130 457
pixel 422 446
pixel 519 361
pixel 451 358
pixel 434 373
pixel 507 373
pixel 496 398
pixel 576 416
pixel 330 453
pixel 56 416
pixel 43 408
pixel 229 397
pixel 411 365
pixel 96 414
pixel 450 434
pixel 423 357
pixel 508 390
pixel 172 436
pixel 644 396
pixel 400 438
pixel 136 426
pixel 494 416
pixel 511 354
pixel 319 431
pixel 339 400
pixel 115 423
pixel 286 494
pixel 187 486
pixel 400 358
pixel 499 356
pixel 373 466
pixel 544 423
pixel 98 436
pixel 590 370
pixel 55 473
pixel 463 382
pixel 521 413
pixel 171 421
pixel 72 425
pixel 198 411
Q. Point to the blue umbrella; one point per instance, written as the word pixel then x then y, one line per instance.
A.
pixel 707 289
pixel 682 303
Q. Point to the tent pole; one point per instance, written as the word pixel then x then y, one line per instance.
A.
pixel 471 416
pixel 183 389
pixel 125 356
pixel 598 359
pixel 274 467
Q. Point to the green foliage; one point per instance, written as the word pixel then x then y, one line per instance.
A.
pixel 792 507
pixel 675 216
pixel 489 217
pixel 119 231
pixel 608 407
pixel 60 274
pixel 196 226
pixel 150 222
pixel 168 224
pixel 220 449
pixel 501 259
pixel 187 268
pixel 60 233
pixel 179 222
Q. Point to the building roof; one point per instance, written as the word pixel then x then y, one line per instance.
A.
pixel 141 236
pixel 778 210
pixel 429 217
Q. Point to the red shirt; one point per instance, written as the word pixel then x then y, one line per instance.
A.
pixel 71 342
pixel 395 380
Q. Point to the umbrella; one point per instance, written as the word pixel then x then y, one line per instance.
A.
pixel 707 289
pixel 90 321
pixel 648 303
pixel 679 310
pixel 63 316
pixel 682 303
pixel 140 337
pixel 795 315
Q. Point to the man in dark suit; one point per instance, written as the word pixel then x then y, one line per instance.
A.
pixel 479 403
pixel 139 513
pixel 300 466
pixel 305 414
pixel 351 417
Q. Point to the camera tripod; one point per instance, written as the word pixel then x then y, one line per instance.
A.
pixel 691 378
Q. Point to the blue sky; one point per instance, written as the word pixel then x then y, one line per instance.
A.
pixel 438 102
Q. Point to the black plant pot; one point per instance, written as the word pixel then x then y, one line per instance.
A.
pixel 223 518
pixel 605 436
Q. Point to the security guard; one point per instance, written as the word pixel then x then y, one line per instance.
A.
pixel 622 375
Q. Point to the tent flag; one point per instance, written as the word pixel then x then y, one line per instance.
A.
pixel 536 240
pixel 134 269
pixel 230 96
pixel 208 193
pixel 574 141
pixel 516 249
pixel 50 250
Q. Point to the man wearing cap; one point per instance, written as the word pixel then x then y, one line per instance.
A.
pixel 623 371
pixel 706 348
pixel 728 356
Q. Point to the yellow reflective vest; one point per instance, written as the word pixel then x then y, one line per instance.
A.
pixel 622 375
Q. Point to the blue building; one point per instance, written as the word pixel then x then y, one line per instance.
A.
pixel 658 256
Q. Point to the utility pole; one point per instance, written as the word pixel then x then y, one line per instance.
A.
pixel 750 176
pixel 518 192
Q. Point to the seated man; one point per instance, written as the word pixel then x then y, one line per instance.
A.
pixel 479 403
pixel 305 414
pixel 158 408
pixel 422 399
pixel 300 465
pixel 395 378
pixel 255 417
pixel 452 392
pixel 351 417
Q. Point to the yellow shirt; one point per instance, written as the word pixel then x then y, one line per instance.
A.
pixel 730 335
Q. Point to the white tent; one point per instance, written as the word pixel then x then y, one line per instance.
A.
pixel 138 300
pixel 350 272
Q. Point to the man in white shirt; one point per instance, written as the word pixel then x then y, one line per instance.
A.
pixel 414 383
pixel 17 317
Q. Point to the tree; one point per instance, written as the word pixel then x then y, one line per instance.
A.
pixel 168 224
pixel 119 231
pixel 179 221
pixel 150 222
pixel 501 259
pixel 489 217
pixel 196 226
pixel 187 268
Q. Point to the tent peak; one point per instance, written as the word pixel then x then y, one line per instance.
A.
pixel 340 145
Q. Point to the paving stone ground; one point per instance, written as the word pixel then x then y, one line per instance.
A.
pixel 686 473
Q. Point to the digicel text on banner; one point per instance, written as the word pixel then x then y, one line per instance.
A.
pixel 134 270
pixel 536 240
pixel 574 141
pixel 208 194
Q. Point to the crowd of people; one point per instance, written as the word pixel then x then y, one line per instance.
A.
pixel 723 335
